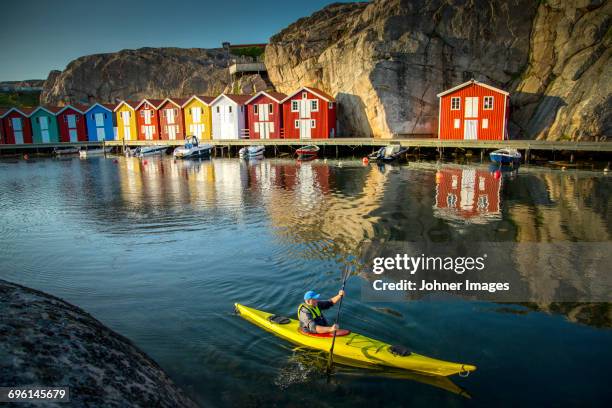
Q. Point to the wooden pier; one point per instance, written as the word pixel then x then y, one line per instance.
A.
pixel 525 145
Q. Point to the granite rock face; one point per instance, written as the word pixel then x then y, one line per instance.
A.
pixel 385 61
pixel 144 73
pixel 48 342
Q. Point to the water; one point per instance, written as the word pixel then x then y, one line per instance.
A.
pixel 160 251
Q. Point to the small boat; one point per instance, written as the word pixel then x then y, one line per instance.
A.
pixel 505 156
pixel 353 346
pixel 94 152
pixel 307 152
pixel 251 152
pixel 66 151
pixel 150 150
pixel 192 149
pixel 388 153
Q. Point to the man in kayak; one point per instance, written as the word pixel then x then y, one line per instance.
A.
pixel 310 316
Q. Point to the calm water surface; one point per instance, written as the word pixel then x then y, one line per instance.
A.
pixel 160 252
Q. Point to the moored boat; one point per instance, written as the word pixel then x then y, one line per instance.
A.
pixel 66 151
pixel 94 152
pixel 251 152
pixel 388 153
pixel 192 149
pixel 151 150
pixel 505 156
pixel 307 152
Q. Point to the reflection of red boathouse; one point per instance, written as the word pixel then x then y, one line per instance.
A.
pixel 468 194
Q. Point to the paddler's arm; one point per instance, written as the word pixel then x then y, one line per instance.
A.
pixel 337 298
pixel 326 329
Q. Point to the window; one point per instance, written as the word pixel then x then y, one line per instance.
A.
pixel 229 109
pixel 330 105
pixel 256 109
pixel 295 106
pixel 485 123
pixel 304 95
pixel 455 103
pixel 488 103
pixel 314 105
pixel 313 123
pixel 241 108
pixel 457 123
pixel 297 124
pixel 218 110
pixel 270 108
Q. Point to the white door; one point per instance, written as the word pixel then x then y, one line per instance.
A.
pixel 304 128
pixel 264 130
pixel 44 128
pixel 17 130
pixel 305 108
pixel 264 114
pixel 99 119
pixel 471 107
pixel 149 131
pixel 470 129
pixel 100 134
pixel 125 118
pixel 147 117
pixel 169 117
pixel 172 131
pixel 74 137
pixel 196 115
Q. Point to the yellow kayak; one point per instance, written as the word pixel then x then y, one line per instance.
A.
pixel 354 346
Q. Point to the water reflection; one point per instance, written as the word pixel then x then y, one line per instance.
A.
pixel 159 250
pixel 469 194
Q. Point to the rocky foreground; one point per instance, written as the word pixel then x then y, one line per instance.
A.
pixel 48 342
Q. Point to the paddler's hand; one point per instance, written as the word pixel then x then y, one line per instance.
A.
pixel 341 293
pixel 333 328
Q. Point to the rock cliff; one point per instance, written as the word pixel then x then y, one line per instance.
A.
pixel 386 60
pixel 145 73
pixel 48 342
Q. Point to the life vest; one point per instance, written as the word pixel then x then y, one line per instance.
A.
pixel 314 311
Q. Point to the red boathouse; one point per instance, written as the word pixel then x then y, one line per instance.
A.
pixel 16 126
pixel 473 111
pixel 171 120
pixel 147 119
pixel 309 113
pixel 265 115
pixel 72 124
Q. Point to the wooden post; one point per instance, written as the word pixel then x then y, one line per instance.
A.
pixel 481 155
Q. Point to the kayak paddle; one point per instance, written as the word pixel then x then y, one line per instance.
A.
pixel 331 350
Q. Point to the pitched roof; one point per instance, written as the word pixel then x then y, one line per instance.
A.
pixel 154 102
pixel 175 101
pixel 239 99
pixel 130 104
pixel 108 106
pixel 277 96
pixel 206 100
pixel 49 109
pixel 77 107
pixel 312 90
pixel 23 111
pixel 3 111
pixel 470 82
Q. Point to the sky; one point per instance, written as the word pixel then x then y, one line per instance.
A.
pixel 41 35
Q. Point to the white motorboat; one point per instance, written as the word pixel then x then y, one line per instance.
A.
pixel 192 149
pixel 150 150
pixel 251 152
